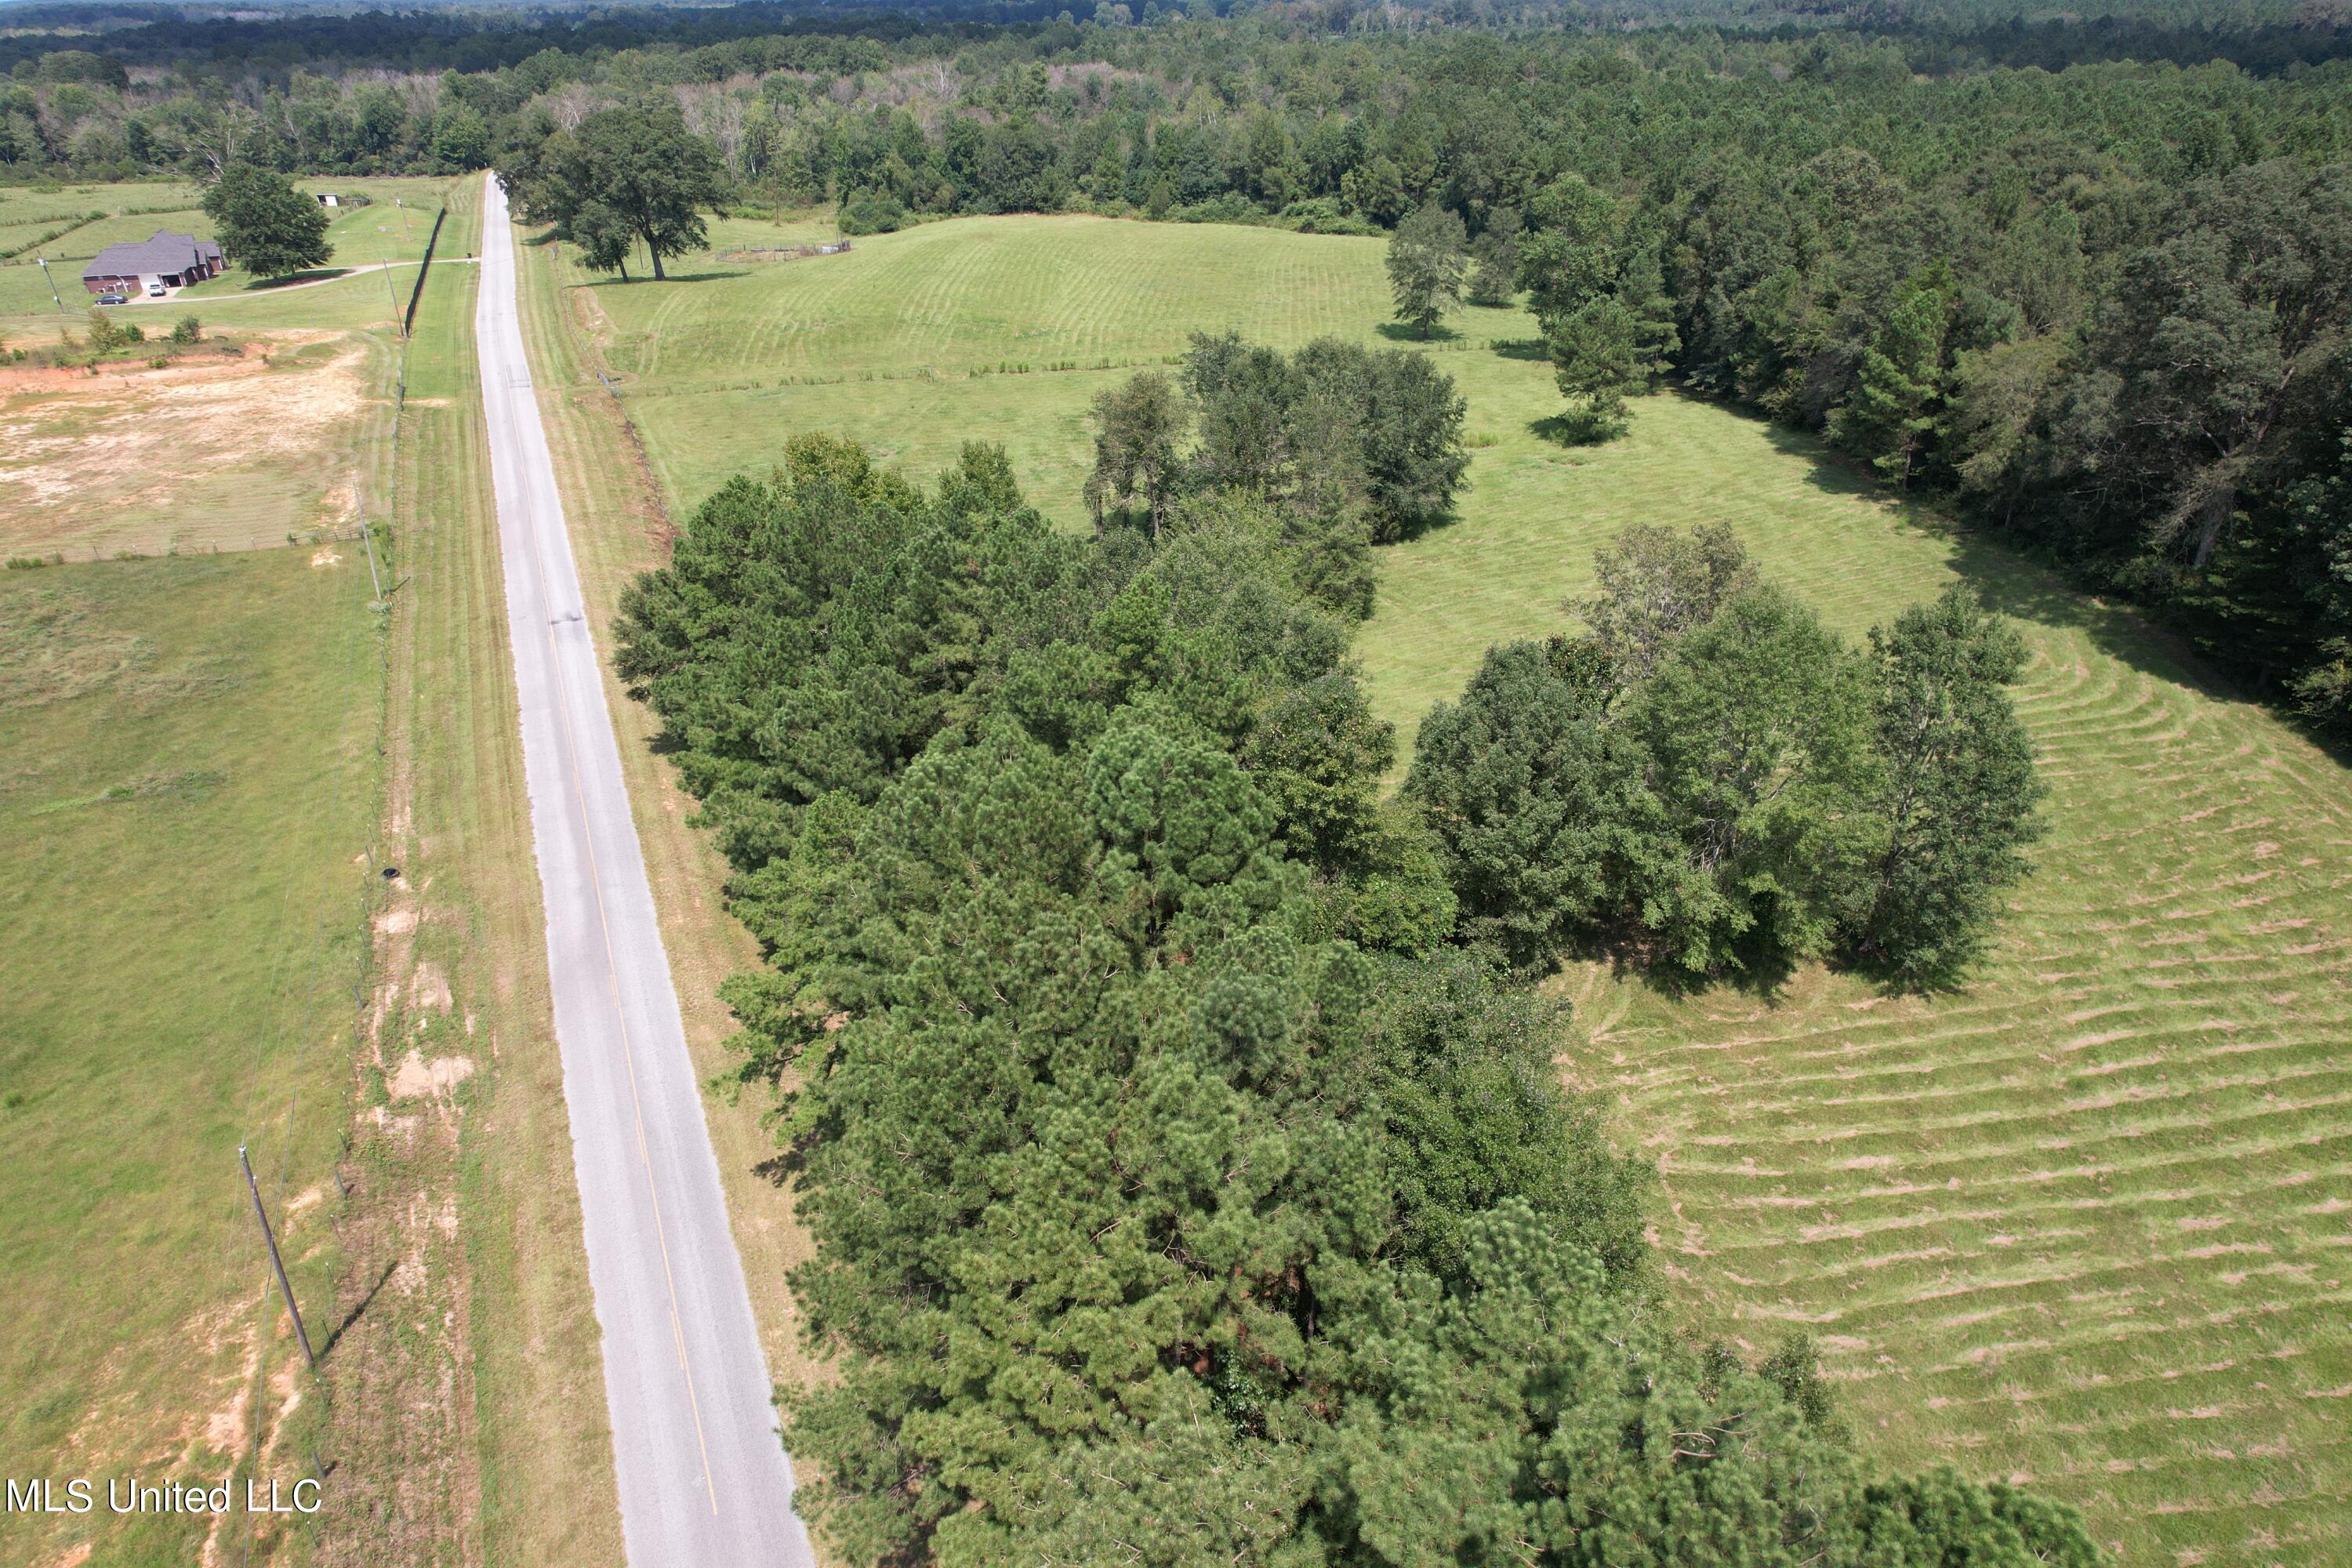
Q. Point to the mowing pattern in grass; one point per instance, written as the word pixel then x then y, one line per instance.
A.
pixel 2083 1223
pixel 885 342
pixel 2132 1293
pixel 965 294
pixel 188 776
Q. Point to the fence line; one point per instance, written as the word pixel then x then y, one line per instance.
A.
pixel 408 321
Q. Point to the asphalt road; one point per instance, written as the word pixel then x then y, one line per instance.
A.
pixel 704 1481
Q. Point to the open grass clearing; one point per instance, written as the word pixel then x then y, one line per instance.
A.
pixel 185 807
pixel 972 329
pixel 2083 1223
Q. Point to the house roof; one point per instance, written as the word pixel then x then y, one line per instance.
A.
pixel 164 252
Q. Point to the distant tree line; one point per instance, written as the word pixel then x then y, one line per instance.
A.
pixel 2097 309
pixel 1189 1184
pixel 2101 311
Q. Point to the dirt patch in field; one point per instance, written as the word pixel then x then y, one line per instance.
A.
pixel 212 451
pixel 416 1076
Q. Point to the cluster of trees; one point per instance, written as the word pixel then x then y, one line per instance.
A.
pixel 1359 446
pixel 1184 1192
pixel 621 178
pixel 264 224
pixel 1711 779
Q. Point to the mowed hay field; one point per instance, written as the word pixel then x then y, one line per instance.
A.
pixel 2085 1223
pixel 974 329
pixel 187 792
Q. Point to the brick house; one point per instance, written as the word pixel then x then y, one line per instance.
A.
pixel 169 258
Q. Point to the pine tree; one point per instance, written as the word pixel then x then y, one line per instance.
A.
pixel 1428 257
pixel 1898 394
pixel 1656 340
pixel 1595 356
pixel 1495 259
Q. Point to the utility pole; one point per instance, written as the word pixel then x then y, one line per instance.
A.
pixel 274 1261
pixel 51 282
pixel 367 534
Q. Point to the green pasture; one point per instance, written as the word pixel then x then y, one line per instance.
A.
pixel 188 791
pixel 30 213
pixel 23 204
pixel 991 329
pixel 363 236
pixel 2083 1223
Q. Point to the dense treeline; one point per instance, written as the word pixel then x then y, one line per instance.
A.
pixel 2146 380
pixel 1184 1192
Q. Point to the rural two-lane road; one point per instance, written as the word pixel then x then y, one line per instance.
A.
pixel 704 1482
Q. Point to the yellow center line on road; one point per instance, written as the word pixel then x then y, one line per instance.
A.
pixel 613 971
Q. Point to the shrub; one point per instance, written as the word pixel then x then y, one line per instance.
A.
pixel 871 212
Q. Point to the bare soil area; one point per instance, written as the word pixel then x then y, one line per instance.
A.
pixel 216 450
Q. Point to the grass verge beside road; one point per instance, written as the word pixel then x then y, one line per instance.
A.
pixel 471 1411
